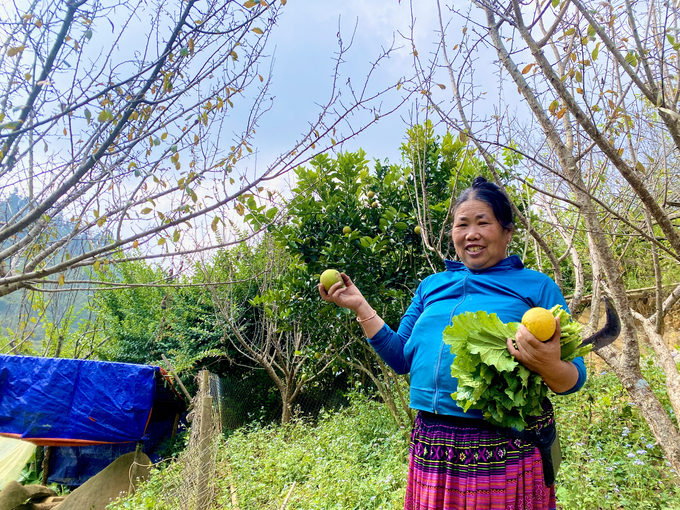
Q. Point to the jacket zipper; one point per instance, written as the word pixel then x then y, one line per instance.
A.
pixel 441 349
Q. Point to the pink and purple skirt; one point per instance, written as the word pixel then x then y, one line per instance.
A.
pixel 464 464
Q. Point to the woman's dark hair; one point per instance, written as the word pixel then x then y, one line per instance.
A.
pixel 490 193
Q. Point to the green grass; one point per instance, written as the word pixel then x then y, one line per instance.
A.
pixel 357 458
pixel 611 459
pixel 353 459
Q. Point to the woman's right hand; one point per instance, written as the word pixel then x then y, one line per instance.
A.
pixel 348 296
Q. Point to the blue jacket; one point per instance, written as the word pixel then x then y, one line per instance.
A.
pixel 507 289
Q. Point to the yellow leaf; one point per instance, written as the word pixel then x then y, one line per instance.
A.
pixel 415 53
pixel 101 221
pixel 135 244
pixel 249 4
pixel 164 136
pixel 441 86
pixel 161 241
pixel 65 132
pixel 261 78
pixel 258 30
pixel 15 51
pixel 263 3
pixel 528 68
pixel 146 210
pixel 284 2
pixel 639 167
pixel 62 278
pixel 38 23
pixel 96 265
pixel 191 46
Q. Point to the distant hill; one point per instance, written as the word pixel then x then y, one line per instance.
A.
pixel 18 306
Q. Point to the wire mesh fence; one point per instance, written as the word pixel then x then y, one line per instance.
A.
pixel 192 485
pixel 249 398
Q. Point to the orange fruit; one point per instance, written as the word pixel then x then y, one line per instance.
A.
pixel 540 323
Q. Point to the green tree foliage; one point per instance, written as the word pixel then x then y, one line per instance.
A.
pixel 372 225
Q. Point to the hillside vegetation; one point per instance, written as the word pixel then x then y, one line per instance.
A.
pixel 357 458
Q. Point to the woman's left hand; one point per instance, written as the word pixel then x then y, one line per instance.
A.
pixel 537 356
pixel 544 358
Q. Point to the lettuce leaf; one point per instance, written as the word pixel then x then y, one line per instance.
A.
pixel 489 378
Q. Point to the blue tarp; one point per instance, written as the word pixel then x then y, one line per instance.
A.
pixel 73 466
pixel 73 402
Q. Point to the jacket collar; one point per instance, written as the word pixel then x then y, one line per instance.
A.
pixel 511 262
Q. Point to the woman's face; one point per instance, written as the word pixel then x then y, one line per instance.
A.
pixel 479 239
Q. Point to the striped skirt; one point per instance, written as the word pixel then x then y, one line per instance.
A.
pixel 466 464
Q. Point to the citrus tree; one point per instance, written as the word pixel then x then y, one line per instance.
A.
pixel 386 228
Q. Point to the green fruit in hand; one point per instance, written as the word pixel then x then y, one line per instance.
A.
pixel 370 194
pixel 329 278
pixel 417 230
pixel 346 230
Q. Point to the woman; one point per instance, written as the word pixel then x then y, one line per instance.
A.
pixel 458 460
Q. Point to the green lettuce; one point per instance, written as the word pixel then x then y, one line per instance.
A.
pixel 489 378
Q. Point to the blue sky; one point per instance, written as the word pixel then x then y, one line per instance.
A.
pixel 305 43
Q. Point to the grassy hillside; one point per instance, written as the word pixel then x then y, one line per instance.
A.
pixel 357 459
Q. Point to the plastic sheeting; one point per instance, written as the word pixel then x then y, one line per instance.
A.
pixel 14 455
pixel 50 401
